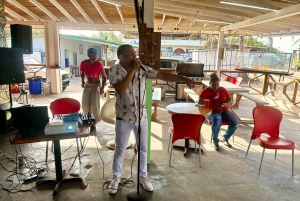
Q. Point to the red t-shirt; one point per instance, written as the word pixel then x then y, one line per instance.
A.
pixel 218 96
pixel 93 70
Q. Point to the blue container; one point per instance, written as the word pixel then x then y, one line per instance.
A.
pixel 35 85
pixel 66 62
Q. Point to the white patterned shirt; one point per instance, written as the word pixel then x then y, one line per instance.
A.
pixel 126 104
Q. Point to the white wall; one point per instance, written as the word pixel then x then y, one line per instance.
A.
pixel 38 45
pixel 73 46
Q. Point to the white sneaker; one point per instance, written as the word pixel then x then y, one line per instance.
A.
pixel 113 186
pixel 146 184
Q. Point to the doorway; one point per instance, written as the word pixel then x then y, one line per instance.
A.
pixel 75 58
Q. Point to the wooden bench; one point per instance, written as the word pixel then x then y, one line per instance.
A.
pixel 191 94
pixel 107 89
pixel 250 97
pixel 284 84
pixel 156 97
pixel 295 80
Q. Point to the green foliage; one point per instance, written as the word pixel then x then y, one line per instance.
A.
pixel 109 35
pixel 248 41
pixel 37 32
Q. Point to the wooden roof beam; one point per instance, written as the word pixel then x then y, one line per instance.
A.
pixel 121 14
pixel 44 9
pixel 179 19
pixel 192 23
pixel 210 20
pixel 13 13
pixel 105 26
pixel 25 22
pixel 61 9
pixel 100 11
pixel 205 9
pixel 8 18
pixel 163 19
pixel 186 28
pixel 283 13
pixel 83 13
pixel 26 10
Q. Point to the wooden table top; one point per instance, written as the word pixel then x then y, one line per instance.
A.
pixel 231 88
pixel 188 108
pixel 83 131
pixel 275 72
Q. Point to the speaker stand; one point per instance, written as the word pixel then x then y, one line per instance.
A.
pixel 140 196
pixel 10 97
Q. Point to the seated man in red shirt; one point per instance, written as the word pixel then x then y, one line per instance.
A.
pixel 219 99
pixel 92 69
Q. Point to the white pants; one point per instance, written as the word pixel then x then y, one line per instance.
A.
pixel 123 130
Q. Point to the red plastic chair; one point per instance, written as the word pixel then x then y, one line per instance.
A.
pixel 267 120
pixel 224 123
pixel 236 81
pixel 64 106
pixel 186 126
pixel 17 89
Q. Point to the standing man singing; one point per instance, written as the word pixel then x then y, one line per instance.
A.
pixel 124 78
pixel 92 69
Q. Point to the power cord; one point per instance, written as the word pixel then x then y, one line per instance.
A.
pixel 123 181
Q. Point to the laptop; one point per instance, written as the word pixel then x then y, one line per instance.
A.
pixel 30 120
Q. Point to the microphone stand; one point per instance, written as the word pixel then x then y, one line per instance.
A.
pixel 138 195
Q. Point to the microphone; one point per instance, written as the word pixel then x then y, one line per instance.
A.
pixel 141 67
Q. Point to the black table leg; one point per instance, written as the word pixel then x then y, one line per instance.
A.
pixel 59 172
pixel 186 147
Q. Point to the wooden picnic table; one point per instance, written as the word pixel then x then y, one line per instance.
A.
pixel 267 76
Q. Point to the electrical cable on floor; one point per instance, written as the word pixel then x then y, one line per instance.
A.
pixel 81 151
pixel 31 164
pixel 124 181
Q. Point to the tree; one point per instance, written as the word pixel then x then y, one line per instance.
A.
pixel 38 32
pixel 109 35
pixel 251 41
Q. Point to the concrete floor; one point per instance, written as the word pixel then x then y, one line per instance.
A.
pixel 225 175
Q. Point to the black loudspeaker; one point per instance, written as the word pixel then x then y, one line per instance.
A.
pixel 21 37
pixel 11 66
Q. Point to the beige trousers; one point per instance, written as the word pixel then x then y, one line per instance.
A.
pixel 91 100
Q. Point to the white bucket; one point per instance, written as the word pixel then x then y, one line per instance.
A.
pixel 47 88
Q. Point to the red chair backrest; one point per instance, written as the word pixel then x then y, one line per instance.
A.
pixel 187 126
pixel 266 120
pixel 15 88
pixel 234 80
pixel 64 106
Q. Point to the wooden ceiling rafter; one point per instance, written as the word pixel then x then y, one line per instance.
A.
pixel 100 11
pixel 61 9
pixel 171 16
pixel 80 9
pixel 15 14
pixel 45 10
pixel 121 14
pixel 24 9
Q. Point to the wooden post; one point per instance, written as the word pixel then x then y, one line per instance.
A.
pixel 149 47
